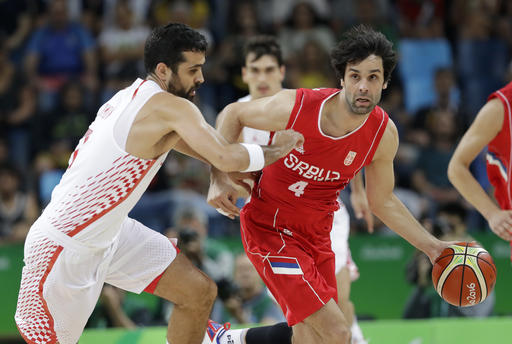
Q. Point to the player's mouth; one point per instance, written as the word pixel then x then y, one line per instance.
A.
pixel 363 101
pixel 263 89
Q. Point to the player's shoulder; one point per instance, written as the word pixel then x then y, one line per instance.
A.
pixel 319 91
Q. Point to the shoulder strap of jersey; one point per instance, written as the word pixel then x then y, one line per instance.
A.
pixel 299 98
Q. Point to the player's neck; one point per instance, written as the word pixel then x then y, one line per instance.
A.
pixel 337 118
pixel 158 81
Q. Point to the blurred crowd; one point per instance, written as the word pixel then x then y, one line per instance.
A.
pixel 61 59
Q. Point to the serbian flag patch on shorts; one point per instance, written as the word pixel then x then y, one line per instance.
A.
pixel 285 266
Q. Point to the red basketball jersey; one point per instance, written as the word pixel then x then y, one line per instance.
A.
pixel 499 149
pixel 307 181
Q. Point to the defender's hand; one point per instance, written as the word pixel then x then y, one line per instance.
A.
pixel 222 195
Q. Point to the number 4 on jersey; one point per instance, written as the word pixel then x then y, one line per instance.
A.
pixel 298 188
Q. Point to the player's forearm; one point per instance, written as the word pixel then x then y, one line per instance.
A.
pixel 396 216
pixel 228 123
pixel 462 179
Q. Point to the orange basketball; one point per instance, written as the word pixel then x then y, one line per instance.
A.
pixel 464 274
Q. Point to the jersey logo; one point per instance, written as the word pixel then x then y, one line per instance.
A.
pixel 349 158
pixel 300 149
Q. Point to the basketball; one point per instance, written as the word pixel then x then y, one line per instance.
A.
pixel 464 274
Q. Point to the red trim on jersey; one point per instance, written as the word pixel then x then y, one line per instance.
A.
pixel 53 334
pixel 97 216
pixel 299 98
pixel 150 289
pixel 137 89
pixel 152 286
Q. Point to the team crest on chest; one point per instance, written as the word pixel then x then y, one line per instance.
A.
pixel 350 158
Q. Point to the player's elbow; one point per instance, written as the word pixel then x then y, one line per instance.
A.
pixel 454 168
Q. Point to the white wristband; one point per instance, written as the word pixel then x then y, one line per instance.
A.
pixel 256 157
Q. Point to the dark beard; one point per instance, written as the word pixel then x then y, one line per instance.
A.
pixel 181 92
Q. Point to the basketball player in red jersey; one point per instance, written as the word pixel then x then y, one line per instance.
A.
pixel 84 238
pixel 264 72
pixel 285 227
pixel 492 127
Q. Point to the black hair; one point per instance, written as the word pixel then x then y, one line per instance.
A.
pixel 263 45
pixel 357 44
pixel 167 43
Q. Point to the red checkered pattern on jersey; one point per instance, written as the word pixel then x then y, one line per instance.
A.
pixel 100 194
pixel 97 197
pixel 32 316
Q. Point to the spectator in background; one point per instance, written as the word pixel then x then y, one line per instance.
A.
pixel 446 99
pixel 430 178
pixel 16 19
pixel 423 302
pixel 18 207
pixel 304 25
pixel 311 68
pixel 121 47
pixel 247 300
pixel 482 52
pixel 210 256
pixel 17 109
pixel 421 19
pixel 59 51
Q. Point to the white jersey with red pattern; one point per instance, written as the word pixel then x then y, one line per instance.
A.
pixel 251 135
pixel 307 181
pixel 103 182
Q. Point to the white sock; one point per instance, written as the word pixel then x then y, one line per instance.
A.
pixel 357 334
pixel 233 337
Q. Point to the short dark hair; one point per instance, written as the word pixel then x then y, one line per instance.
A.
pixel 263 45
pixel 167 43
pixel 357 44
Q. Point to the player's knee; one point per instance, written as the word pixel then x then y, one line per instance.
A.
pixel 203 293
pixel 337 335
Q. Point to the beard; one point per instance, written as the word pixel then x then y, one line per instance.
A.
pixel 360 110
pixel 177 89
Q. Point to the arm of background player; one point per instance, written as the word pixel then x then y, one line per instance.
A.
pixel 380 182
pixel 359 201
pixel 486 126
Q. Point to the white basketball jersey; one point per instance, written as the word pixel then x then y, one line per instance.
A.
pixel 103 182
pixel 251 135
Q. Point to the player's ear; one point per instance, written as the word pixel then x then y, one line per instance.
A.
pixel 282 71
pixel 342 83
pixel 385 85
pixel 162 71
pixel 244 74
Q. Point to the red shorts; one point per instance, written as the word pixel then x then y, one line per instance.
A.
pixel 298 269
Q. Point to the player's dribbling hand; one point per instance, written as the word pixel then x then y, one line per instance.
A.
pixel 287 140
pixel 222 195
pixel 501 224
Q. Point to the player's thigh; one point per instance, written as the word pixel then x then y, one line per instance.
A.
pixel 141 255
pixel 144 256
pixel 343 282
pixel 71 291
pixel 339 237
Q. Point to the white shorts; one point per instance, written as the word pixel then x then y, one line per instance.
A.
pixel 61 282
pixel 339 242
